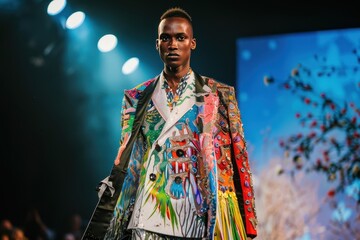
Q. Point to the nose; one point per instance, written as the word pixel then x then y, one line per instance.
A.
pixel 172 43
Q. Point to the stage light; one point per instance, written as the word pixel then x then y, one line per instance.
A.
pixel 56 6
pixel 107 43
pixel 75 20
pixel 130 65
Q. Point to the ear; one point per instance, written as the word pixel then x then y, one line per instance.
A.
pixel 157 44
pixel 193 44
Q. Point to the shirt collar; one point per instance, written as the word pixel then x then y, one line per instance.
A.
pixel 189 77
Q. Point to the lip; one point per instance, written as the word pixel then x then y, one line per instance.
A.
pixel 172 55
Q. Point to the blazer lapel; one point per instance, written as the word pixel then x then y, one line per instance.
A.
pixel 207 101
pixel 159 100
pixel 171 118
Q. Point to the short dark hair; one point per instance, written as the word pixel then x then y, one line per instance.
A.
pixel 176 12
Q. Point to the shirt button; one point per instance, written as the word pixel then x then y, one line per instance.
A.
pixel 152 176
pixel 178 180
pixel 180 153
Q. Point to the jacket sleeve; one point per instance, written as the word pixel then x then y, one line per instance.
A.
pixel 127 120
pixel 242 174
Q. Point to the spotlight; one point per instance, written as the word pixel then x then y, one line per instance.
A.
pixel 75 20
pixel 56 7
pixel 130 65
pixel 107 43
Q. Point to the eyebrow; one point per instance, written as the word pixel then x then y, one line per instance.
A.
pixel 176 34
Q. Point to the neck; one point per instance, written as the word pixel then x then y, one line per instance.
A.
pixel 173 76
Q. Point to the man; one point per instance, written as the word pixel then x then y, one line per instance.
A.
pixel 182 169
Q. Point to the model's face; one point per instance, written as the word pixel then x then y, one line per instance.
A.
pixel 175 42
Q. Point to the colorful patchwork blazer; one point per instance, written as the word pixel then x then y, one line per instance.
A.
pixel 229 203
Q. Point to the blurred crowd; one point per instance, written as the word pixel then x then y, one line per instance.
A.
pixel 34 228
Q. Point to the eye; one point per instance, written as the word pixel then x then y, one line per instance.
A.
pixel 181 38
pixel 164 38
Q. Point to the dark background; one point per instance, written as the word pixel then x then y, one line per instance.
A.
pixel 45 158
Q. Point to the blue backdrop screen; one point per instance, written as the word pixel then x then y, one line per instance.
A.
pixel 299 96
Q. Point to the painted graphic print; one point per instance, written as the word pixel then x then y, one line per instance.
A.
pixel 175 171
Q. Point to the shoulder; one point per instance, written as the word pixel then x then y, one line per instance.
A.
pixel 217 85
pixel 134 92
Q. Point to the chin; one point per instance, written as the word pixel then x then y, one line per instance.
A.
pixel 172 65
